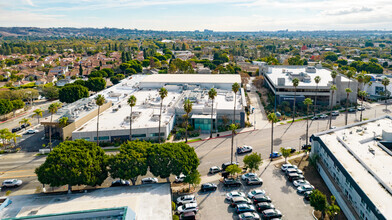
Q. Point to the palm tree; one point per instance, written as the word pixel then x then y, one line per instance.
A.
pixel 362 94
pixel 187 108
pixel 162 94
pixel 348 91
pixel 63 121
pixel 361 80
pixel 273 119
pixel 350 75
pixel 131 103
pixel 53 108
pixel 334 74
pixel 211 95
pixel 38 113
pixel 235 87
pixel 307 102
pixel 317 79
pixel 99 100
pixel 333 89
pixel 13 136
pixel 295 84
pixel 24 121
pixel 232 128
pixel 385 83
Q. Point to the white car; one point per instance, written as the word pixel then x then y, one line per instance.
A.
pixel 215 169
pixel 298 183
pixel 287 166
pixel 180 178
pixel 31 131
pixel 305 188
pixel 293 170
pixel 323 116
pixel 244 149
pixel 186 199
pixel 255 192
pixel 234 194
pixel 149 180
pixel 12 183
pixel 248 175
pixel 190 207
pixel 254 181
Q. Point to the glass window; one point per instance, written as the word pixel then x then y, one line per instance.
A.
pixel 139 135
pixel 104 138
pixel 86 138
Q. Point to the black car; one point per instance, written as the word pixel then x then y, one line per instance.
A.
pixel 16 129
pixel 208 187
pixel 292 149
pixel 307 195
pixel 188 216
pixel 261 198
pixel 264 205
pixel 120 183
pixel 306 147
pixel 295 176
pixel 225 165
pixel 352 110
pixel 231 182
pixel 271 213
pixel 25 126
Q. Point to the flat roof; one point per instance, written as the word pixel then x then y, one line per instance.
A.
pixel 359 138
pixel 275 72
pixel 152 201
pixel 192 78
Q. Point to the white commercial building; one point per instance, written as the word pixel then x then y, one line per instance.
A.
pixel 376 89
pixel 354 162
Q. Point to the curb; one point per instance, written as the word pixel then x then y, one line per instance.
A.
pixel 227 135
pixel 1 122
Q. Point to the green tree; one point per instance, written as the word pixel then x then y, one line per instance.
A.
pixel 362 94
pixel 253 161
pixel 273 119
pixel 317 80
pixel 235 87
pixel 96 84
pixel 77 162
pixel 233 169
pixel 333 89
pixel 307 102
pixel 131 162
pixel 37 113
pixel 211 95
pixel 331 56
pixel 194 179
pixel 80 70
pixel 72 93
pixel 131 103
pixel 99 100
pixel 162 95
pixel 285 153
pixel 348 91
pixel 295 84
pixel 5 106
pixel 53 108
pixel 63 121
pixel 25 121
pixel 334 74
pixel 319 201
pixel 333 209
pixel 187 108
pixel 232 128
pixel 50 92
pixel 385 83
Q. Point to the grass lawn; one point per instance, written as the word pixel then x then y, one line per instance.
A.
pixel 194 140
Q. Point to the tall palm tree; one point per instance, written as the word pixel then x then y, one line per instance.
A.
pixel 334 74
pixel 211 95
pixel 307 102
pixel 361 80
pixel 273 119
pixel 232 128
pixel 362 94
pixel 333 89
pixel 53 108
pixel 14 137
pixel 295 84
pixel 131 103
pixel 162 94
pixel 348 91
pixel 317 79
pixel 24 121
pixel 385 83
pixel 99 100
pixel 235 87
pixel 37 113
pixel 350 74
pixel 187 108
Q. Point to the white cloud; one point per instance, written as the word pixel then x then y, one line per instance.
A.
pixel 29 2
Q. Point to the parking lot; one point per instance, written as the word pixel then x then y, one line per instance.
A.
pixel 212 205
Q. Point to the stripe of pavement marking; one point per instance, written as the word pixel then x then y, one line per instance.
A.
pixel 14 171
pixel 13 177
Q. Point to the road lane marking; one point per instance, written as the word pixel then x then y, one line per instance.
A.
pixel 13 177
pixel 13 171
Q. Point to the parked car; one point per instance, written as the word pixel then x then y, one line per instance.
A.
pixel 293 170
pixel 234 194
pixel 25 125
pixel 307 195
pixel 215 169
pixel 12 183
pixel 16 129
pixel 188 216
pixel 295 176
pixel 208 187
pixel 352 110
pixel 292 149
pixel 149 180
pixel 323 116
pixel 249 216
pixel 306 147
pixel 240 200
pixel 231 182
pixel 335 113
pixel 264 205
pixel 241 208
pixel 120 183
pixel 186 199
pixel 225 165
pixel 333 127
pixel 31 131
pixel 271 213
pixel 246 176
pixel 255 192
pixel 286 166
pixel 304 188
pixel 275 154
pixel 314 117
pixel 244 149
pixel 361 108
pixel 298 183
pixel 254 181
pixel 261 198
pixel 180 178
pixel 189 207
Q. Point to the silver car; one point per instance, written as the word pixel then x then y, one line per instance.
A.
pixel 12 183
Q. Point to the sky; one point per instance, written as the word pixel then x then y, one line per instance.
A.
pixel 190 15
